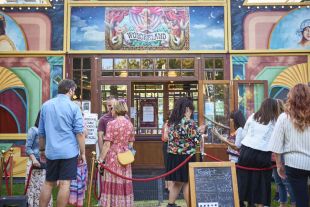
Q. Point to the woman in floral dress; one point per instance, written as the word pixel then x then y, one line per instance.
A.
pixel 119 137
pixel 183 138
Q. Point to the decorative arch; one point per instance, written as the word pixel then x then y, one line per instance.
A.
pixel 292 75
pixel 13 103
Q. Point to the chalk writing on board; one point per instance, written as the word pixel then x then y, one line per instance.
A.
pixel 213 185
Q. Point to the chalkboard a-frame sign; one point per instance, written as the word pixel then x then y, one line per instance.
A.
pixel 213 184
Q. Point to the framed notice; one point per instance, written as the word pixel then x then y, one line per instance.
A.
pixel 213 184
pixel 91 125
pixel 148 112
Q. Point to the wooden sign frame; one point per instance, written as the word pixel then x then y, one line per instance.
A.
pixel 192 184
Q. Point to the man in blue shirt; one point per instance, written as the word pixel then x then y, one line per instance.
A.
pixel 62 142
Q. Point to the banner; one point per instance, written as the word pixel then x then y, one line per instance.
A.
pixel 143 28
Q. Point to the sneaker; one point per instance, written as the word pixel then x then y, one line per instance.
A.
pixel 172 205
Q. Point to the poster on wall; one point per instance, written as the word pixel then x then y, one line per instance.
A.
pixel 91 120
pixel 270 27
pixel 148 112
pixel 147 28
pixel 32 28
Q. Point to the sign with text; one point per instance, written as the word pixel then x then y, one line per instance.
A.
pixel 91 125
pixel 213 184
pixel 143 28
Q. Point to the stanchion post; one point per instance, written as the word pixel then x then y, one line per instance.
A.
pixel 1 169
pixel 91 178
pixel 197 154
pixel 11 171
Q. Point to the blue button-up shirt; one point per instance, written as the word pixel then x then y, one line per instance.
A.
pixel 60 121
pixel 32 142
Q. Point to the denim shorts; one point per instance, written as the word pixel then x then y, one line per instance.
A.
pixel 62 169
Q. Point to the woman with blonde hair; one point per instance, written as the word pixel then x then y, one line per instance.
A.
pixel 119 138
pixel 291 138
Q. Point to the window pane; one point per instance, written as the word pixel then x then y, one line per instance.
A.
pixel 209 63
pixel 107 64
pixel 188 73
pixel 120 64
pixel 174 73
pixel 86 63
pixel 121 74
pixel 188 63
pixel 134 64
pixel 86 78
pixel 77 63
pixel 216 108
pixel 148 64
pixel 174 63
pixel 219 75
pixel 131 73
pixel 219 63
pixel 77 80
pixel 107 73
pixel 148 74
pixel 118 91
pixel 209 75
pixel 161 63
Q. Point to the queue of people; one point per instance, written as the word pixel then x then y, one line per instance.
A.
pixel 275 128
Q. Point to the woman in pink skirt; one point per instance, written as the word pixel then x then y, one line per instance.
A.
pixel 119 137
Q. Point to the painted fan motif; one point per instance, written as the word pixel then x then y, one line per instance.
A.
pixel 293 75
pixel 8 79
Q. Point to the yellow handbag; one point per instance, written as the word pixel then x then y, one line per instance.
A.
pixel 125 158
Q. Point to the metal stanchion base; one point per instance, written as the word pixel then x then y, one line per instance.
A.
pixel 13 201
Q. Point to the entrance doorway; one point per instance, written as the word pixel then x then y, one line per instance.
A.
pixel 152 103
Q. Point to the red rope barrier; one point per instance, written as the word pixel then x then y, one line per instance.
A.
pixel 242 167
pixel 28 180
pixel 6 174
pixel 95 186
pixel 148 179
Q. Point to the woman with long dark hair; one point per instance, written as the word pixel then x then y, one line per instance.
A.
pixel 183 138
pixel 255 186
pixel 291 138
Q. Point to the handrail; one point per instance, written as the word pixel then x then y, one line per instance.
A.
pixel 216 123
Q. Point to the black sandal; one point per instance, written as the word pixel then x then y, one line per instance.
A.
pixel 172 205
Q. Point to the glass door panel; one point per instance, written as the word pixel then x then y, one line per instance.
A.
pixel 249 95
pixel 117 91
pixel 215 107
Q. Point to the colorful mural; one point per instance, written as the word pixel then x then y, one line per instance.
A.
pixel 292 31
pixel 269 27
pixel 281 72
pixel 22 90
pixel 32 28
pixel 147 28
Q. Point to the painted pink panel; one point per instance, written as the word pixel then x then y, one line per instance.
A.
pixel 10 100
pixel 256 64
pixel 258 27
pixel 39 65
pixel 37 29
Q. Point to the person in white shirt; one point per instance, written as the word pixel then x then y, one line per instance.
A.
pixel 255 186
pixel 291 138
